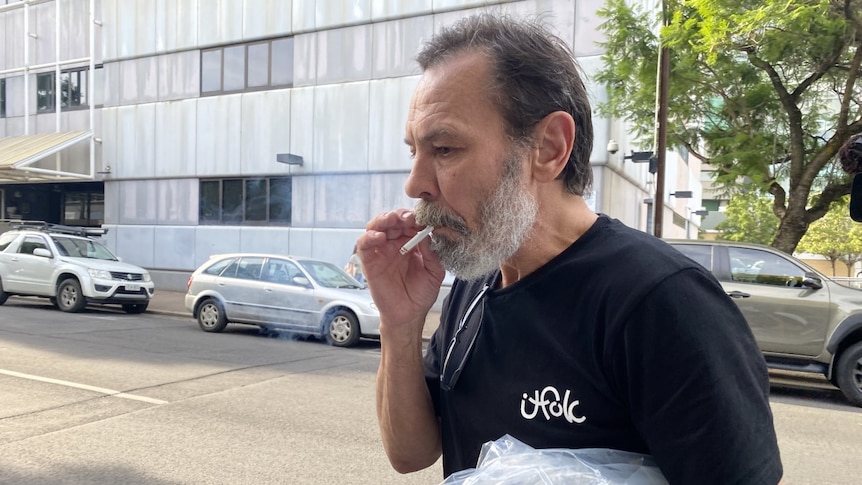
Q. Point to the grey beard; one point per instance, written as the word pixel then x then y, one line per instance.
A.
pixel 506 220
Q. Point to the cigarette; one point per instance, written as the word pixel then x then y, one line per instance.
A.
pixel 416 239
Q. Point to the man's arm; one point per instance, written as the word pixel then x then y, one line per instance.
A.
pixel 408 423
pixel 404 288
pixel 698 385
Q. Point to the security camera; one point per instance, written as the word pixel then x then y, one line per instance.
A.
pixel 613 147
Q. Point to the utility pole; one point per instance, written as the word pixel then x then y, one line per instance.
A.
pixel 661 126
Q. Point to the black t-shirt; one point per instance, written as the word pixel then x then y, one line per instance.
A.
pixel 619 342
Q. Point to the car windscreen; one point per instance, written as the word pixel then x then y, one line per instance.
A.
pixel 82 248
pixel 329 275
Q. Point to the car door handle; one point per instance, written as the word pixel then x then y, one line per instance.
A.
pixel 738 294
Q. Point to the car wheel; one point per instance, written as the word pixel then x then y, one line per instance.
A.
pixel 135 307
pixel 69 296
pixel 849 373
pixel 211 316
pixel 343 329
pixel 3 295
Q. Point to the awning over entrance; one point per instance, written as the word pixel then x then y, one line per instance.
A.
pixel 19 153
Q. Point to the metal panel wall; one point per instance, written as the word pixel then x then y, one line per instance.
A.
pixel 177 202
pixel 136 244
pixel 138 202
pixel 385 9
pixel 302 127
pixel 333 13
pixel 220 22
pixel 264 132
pixel 344 54
pixel 265 240
pixel 387 119
pixel 396 44
pixel 266 18
pixel 341 201
pixel 218 141
pixel 179 75
pixel 136 142
pixel 176 25
pixel 176 138
pixel 210 240
pixel 302 211
pixel 305 60
pixel 174 247
pixel 341 127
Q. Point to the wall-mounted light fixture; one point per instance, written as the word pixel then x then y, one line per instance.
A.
pixel 682 194
pixel 289 159
pixel 97 140
pixel 33 35
pixel 642 157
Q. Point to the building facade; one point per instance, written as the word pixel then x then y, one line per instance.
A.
pixel 195 127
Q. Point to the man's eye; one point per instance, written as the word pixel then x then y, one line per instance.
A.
pixel 443 150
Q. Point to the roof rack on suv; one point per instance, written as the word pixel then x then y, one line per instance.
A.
pixel 59 228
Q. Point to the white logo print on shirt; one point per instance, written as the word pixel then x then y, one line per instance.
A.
pixel 548 401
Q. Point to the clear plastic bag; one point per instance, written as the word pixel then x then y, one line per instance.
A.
pixel 508 461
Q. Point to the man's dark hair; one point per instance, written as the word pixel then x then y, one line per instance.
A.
pixel 850 155
pixel 535 74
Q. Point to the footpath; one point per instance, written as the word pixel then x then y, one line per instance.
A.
pixel 168 302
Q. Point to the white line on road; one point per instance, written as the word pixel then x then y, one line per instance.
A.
pixel 109 392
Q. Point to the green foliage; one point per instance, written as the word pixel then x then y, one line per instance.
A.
pixel 835 236
pixel 765 91
pixel 749 218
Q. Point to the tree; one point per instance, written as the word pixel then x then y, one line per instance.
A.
pixel 749 218
pixel 765 91
pixel 836 237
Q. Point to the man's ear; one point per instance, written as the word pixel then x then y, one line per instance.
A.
pixel 554 139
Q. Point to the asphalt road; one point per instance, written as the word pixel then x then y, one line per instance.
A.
pixel 105 397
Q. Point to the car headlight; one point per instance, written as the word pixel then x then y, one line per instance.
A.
pixel 146 276
pixel 100 274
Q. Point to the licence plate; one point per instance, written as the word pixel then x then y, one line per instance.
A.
pixel 133 287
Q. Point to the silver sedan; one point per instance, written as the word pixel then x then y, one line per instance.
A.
pixel 282 293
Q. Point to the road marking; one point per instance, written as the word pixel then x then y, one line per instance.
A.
pixel 109 392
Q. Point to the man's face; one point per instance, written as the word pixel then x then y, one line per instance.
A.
pixel 467 172
pixel 506 219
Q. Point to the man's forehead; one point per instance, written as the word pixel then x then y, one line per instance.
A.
pixel 448 98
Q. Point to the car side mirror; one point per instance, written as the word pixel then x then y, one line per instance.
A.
pixel 42 252
pixel 301 281
pixel 812 281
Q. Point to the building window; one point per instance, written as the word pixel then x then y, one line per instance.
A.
pixel 247 67
pixel 3 98
pixel 73 89
pixel 257 200
pixel 84 208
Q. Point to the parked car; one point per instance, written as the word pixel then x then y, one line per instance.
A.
pixel 276 292
pixel 69 266
pixel 802 320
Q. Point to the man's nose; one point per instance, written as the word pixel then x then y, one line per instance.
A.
pixel 422 181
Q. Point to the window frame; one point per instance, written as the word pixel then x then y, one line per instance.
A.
pixel 245 75
pixel 212 200
pixel 66 95
pixel 2 97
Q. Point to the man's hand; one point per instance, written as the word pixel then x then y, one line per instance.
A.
pixel 404 287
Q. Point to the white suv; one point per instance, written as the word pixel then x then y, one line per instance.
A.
pixel 68 266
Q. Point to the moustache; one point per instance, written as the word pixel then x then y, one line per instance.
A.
pixel 430 214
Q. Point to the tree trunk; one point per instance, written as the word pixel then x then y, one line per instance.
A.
pixel 790 230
